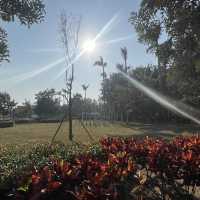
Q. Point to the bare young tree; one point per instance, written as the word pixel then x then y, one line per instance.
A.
pixel 69 32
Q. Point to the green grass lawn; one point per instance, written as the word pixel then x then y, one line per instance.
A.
pixel 43 132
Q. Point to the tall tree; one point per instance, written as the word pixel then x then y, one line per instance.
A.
pixel 124 54
pixel 69 30
pixel 27 12
pixel 124 68
pixel 6 103
pixel 77 106
pixel 102 64
pixel 47 103
pixel 141 107
pixel 85 87
pixel 171 30
pixel 25 110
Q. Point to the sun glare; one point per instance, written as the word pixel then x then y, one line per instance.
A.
pixel 89 45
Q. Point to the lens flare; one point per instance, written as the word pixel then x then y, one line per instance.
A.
pixel 120 39
pixel 32 74
pixel 89 45
pixel 45 50
pixel 73 61
pixel 106 27
pixel 174 106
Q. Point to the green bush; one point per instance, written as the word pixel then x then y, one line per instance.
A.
pixel 16 161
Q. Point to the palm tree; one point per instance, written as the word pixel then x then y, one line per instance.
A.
pixel 85 87
pixel 84 114
pixel 120 67
pixel 124 54
pixel 102 64
pixel 125 68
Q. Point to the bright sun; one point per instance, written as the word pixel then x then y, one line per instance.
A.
pixel 89 45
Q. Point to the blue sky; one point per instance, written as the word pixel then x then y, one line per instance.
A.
pixel 34 48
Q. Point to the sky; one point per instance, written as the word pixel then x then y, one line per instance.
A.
pixel 36 54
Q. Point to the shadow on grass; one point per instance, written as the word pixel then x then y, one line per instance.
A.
pixel 167 131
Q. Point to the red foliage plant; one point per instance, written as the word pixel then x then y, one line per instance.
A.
pixel 88 177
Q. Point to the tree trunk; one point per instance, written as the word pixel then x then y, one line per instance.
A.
pixel 127 117
pixel 70 117
pixel 104 110
pixel 70 105
pixel 122 117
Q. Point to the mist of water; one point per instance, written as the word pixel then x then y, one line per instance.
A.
pixel 172 105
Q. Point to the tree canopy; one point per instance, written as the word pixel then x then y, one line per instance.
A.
pixel 6 103
pixel 24 111
pixel 27 12
pixel 47 103
pixel 171 30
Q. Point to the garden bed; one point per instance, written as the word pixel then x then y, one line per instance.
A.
pixel 116 168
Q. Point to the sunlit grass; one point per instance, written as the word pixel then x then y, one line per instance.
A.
pixel 43 132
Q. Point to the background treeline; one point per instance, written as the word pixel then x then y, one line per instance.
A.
pixel 49 105
pixel 171 31
pixel 127 103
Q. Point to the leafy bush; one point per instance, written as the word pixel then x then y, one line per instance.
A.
pixel 18 160
pixel 116 168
